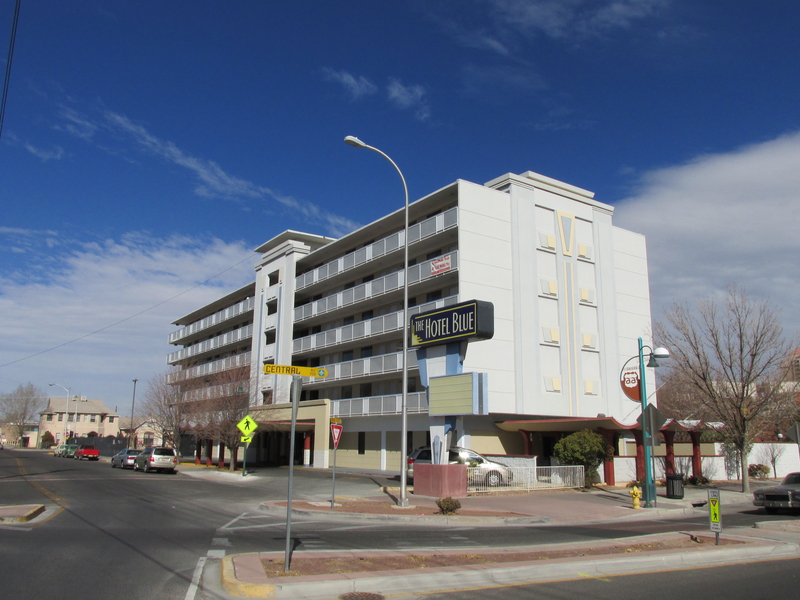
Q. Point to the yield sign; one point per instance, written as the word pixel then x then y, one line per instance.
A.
pixel 336 434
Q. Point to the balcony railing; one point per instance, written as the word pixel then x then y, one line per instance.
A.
pixel 209 368
pixel 379 405
pixel 418 231
pixel 365 367
pixel 364 329
pixel 376 287
pixel 232 337
pixel 212 320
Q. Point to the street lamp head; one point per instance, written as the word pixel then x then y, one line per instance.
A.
pixel 51 384
pixel 661 353
pixel 354 141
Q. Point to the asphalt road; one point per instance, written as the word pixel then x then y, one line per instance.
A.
pixel 115 533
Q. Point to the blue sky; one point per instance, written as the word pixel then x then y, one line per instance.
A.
pixel 149 147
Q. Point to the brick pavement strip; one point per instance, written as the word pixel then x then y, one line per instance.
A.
pixel 244 575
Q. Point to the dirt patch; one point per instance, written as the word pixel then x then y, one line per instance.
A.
pixel 387 508
pixel 302 566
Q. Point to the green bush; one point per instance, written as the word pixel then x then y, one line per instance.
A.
pixel 448 506
pixel 758 471
pixel 586 448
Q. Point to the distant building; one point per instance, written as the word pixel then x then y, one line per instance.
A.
pixel 80 416
pixel 570 294
pixel 146 434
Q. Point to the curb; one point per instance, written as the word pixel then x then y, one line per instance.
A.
pixel 451 579
pixel 31 512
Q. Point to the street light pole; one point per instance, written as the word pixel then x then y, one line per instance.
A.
pixel 649 488
pixel 66 408
pixel 133 402
pixel 403 500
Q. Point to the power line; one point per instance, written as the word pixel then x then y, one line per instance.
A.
pixel 128 318
pixel 8 65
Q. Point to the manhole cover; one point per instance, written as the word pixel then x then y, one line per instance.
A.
pixel 361 596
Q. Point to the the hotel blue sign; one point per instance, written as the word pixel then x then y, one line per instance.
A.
pixel 472 320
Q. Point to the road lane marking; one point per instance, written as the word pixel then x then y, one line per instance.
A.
pixel 198 571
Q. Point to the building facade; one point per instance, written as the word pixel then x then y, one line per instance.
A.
pixel 78 416
pixel 570 295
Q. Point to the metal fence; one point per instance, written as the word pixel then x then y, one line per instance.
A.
pixel 518 479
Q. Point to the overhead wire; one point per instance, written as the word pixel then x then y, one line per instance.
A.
pixel 8 66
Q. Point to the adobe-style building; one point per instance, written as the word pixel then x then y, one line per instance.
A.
pixel 77 415
pixel 570 297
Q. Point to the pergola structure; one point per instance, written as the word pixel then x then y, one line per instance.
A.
pixel 610 428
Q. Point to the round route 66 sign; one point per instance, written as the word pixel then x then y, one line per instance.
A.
pixel 630 384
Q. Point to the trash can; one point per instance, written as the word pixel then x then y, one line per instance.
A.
pixel 675 486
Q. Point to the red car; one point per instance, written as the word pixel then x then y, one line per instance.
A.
pixel 87 451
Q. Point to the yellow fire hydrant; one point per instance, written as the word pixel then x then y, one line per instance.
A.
pixel 636 494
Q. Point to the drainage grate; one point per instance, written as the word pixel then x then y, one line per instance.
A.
pixel 361 596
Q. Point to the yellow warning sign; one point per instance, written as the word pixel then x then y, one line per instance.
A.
pixel 246 439
pixel 714 510
pixel 247 425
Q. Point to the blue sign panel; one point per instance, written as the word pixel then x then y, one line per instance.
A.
pixel 473 320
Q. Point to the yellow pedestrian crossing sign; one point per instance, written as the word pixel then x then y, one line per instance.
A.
pixel 247 425
pixel 714 516
pixel 246 439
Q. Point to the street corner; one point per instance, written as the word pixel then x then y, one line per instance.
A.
pixel 243 575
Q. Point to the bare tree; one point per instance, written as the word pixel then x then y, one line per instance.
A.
pixel 732 355
pixel 22 407
pixel 165 408
pixel 225 402
pixel 770 453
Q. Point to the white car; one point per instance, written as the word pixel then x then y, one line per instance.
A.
pixel 494 473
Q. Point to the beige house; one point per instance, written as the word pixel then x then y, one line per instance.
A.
pixel 78 415
pixel 147 433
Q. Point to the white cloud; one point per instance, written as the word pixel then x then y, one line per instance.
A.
pixel 409 97
pixel 355 86
pixel 721 219
pixel 128 291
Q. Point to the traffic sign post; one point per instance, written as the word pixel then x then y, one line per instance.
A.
pixel 714 513
pixel 248 427
pixel 297 387
pixel 336 435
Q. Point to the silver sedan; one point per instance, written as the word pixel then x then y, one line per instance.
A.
pixel 124 458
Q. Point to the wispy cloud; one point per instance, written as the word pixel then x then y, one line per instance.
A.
pixel 560 19
pixel 720 219
pixel 45 155
pixel 409 97
pixel 212 180
pixel 356 86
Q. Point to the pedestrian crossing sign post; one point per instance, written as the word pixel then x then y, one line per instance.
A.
pixel 714 513
pixel 248 427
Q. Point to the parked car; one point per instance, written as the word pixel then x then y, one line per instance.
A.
pixel 69 451
pixel 59 450
pixel 493 473
pixel 87 451
pixel 785 495
pixel 124 458
pixel 156 459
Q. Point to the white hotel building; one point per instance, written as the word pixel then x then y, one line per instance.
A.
pixel 570 295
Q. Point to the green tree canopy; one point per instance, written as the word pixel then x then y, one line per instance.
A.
pixel 586 448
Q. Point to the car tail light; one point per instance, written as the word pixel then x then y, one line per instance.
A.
pixel 175 460
pixel 152 458
pixel 411 461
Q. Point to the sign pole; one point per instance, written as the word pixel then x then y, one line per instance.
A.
pixel 297 385
pixel 336 434
pixel 714 512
